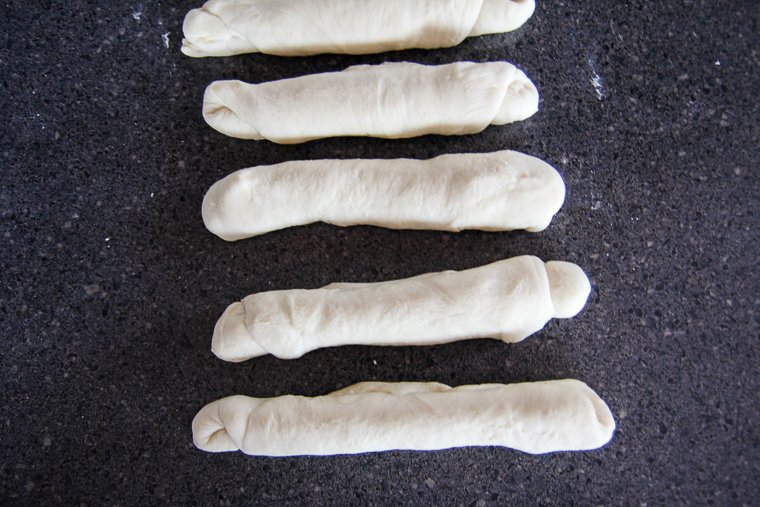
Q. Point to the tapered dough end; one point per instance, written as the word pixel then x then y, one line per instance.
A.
pixel 208 35
pixel 497 16
pixel 232 341
pixel 569 288
pixel 219 111
pixel 520 100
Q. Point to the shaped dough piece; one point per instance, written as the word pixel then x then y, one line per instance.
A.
pixel 507 300
pixel 499 191
pixel 392 100
pixel 539 417
pixel 308 27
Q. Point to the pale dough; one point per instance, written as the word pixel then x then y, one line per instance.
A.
pixel 507 300
pixel 499 191
pixel 539 417
pixel 307 27
pixel 392 100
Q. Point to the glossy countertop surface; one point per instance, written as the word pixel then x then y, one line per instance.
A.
pixel 110 285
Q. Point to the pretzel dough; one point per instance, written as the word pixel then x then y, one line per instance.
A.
pixel 392 100
pixel 508 300
pixel 307 27
pixel 539 417
pixel 498 191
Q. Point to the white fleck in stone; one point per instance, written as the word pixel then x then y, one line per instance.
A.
pixel 430 483
pixel 596 82
pixel 165 38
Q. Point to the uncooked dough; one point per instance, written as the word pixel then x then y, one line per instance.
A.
pixel 307 27
pixel 507 300
pixel 499 191
pixel 392 100
pixel 539 417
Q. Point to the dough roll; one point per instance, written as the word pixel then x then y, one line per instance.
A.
pixel 499 191
pixel 507 300
pixel 392 100
pixel 538 417
pixel 308 27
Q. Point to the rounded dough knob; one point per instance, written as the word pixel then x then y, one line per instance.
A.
pixel 569 288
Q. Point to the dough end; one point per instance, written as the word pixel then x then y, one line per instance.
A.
pixel 599 426
pixel 520 100
pixel 498 16
pixel 199 27
pixel 206 34
pixel 605 421
pixel 219 205
pixel 211 209
pixel 209 432
pixel 569 287
pixel 552 196
pixel 604 417
pixel 219 111
pixel 232 341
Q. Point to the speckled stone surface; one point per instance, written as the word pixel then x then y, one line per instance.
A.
pixel 110 284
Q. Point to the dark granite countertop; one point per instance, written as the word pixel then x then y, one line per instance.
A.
pixel 110 284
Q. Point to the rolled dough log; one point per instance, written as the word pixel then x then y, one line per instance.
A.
pixel 307 27
pixel 499 191
pixel 392 100
pixel 507 300
pixel 539 417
